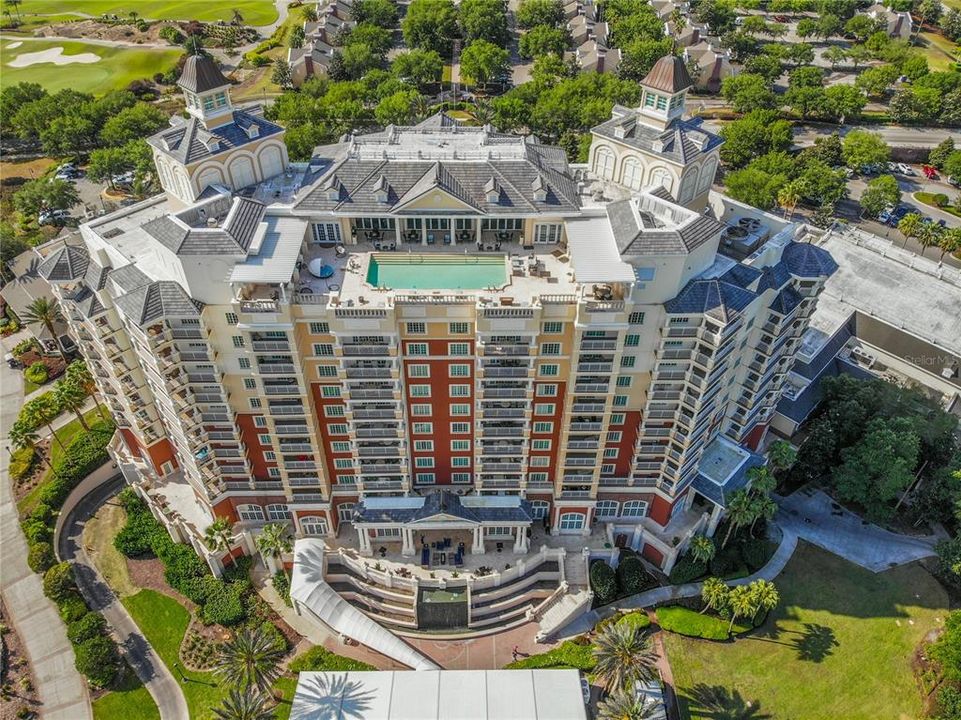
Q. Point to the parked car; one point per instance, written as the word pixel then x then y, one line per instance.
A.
pixel 53 217
pixel 586 690
pixel 885 214
pixel 895 216
pixel 782 18
pixel 929 172
pixel 124 178
pixel 904 169
pixel 67 174
pixel 954 181
pixel 12 362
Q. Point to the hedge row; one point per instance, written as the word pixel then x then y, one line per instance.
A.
pixel 576 654
pixel 319 659
pixel 739 559
pixel 220 601
pixel 637 618
pixel 691 623
pixel 95 653
pixel 630 578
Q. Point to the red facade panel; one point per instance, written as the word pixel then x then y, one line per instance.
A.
pixel 249 434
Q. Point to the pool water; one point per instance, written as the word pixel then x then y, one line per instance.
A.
pixel 436 272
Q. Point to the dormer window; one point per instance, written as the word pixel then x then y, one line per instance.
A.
pixel 540 189
pixel 252 130
pixel 382 191
pixel 332 188
pixel 492 190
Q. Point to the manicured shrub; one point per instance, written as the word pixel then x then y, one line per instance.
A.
pixel 21 462
pixel 684 621
pixel 40 557
pixel 37 373
pixel 319 659
pixel 941 200
pixel 277 638
pixel 223 604
pixel 727 562
pixel 569 654
pixel 97 659
pixel 282 586
pixel 755 553
pixel 58 582
pixel 85 453
pixel 86 627
pixel 603 582
pixel 632 578
pixel 638 619
pixel 72 608
pixel 686 570
pixel 36 531
pixel 42 513
pixel 136 536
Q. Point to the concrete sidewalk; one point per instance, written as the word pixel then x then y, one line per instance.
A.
pixel 62 691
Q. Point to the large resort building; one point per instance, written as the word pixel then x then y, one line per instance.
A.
pixel 441 342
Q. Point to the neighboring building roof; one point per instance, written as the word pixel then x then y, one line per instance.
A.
pixel 786 300
pixel 442 505
pixel 127 278
pixel 809 261
pixel 67 264
pixel 637 231
pixel 188 141
pixel 723 469
pixel 681 142
pixel 439 695
pixel 163 298
pixel 669 75
pixel 714 297
pixel 276 258
pixel 201 74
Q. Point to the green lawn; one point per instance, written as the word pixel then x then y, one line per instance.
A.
pixel 938 50
pixel 255 12
pixel 839 645
pixel 117 67
pixel 67 433
pixel 163 622
pixel 130 702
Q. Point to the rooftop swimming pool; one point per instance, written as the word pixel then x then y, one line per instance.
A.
pixel 436 272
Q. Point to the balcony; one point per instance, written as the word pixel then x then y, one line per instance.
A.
pixel 291 389
pixel 368 373
pixel 300 465
pixel 509 393
pixel 290 429
pixel 580 462
pixel 276 368
pixel 285 409
pixel 501 467
pixel 504 350
pixel 270 346
pixel 295 447
pixel 377 432
pixel 516 432
pixel 599 345
pixel 357 395
pixel 502 412
pixel 505 372
pixel 386 451
pixel 382 469
pixel 383 485
pixel 595 367
pixel 365 350
pixel 586 426
pixel 376 414
pixel 587 407
pixel 592 388
pixel 307 498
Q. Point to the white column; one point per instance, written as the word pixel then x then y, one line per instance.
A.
pixel 477 547
pixel 636 536
pixel 519 540
pixel 408 537
pixel 715 518
pixel 363 536
pixel 477 229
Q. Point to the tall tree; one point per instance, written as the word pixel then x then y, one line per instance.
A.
pixel 245 704
pixel 702 548
pixel 715 594
pixel 483 62
pixel 627 705
pixel 70 396
pixel 624 654
pixel 217 536
pixel 781 455
pixel 79 373
pixel 765 595
pixel 41 411
pixel 23 436
pixel 250 660
pixel 46 311
pixel 740 512
pixel 741 603
pixel 910 226
pixel 274 541
pixel 430 25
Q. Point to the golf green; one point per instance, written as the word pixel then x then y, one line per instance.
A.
pixel 254 12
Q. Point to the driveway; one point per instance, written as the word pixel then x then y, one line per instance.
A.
pixel 138 652
pixel 62 691
pixel 815 517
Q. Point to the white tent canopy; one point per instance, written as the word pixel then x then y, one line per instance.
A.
pixel 311 592
pixel 440 695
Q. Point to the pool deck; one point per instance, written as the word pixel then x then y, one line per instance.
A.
pixel 348 286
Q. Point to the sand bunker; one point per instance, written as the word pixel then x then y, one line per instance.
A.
pixel 14 45
pixel 53 55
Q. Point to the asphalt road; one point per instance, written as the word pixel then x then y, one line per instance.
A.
pixel 804 135
pixel 138 652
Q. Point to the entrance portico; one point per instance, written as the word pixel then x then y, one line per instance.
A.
pixel 408 520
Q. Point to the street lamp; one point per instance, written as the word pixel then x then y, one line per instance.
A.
pixel 180 672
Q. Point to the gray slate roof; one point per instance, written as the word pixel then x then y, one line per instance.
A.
pixel 201 74
pixel 681 142
pixel 721 494
pixel 96 276
pixel 714 297
pixel 67 264
pixel 233 238
pixel 443 503
pixel 127 278
pixel 632 238
pixel 188 141
pixel 164 298
pixel 808 261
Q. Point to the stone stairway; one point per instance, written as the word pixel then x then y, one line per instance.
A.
pixel 567 609
pixel 575 570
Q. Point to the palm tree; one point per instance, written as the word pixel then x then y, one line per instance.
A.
pixel 762 481
pixel 247 704
pixel 740 511
pixel 781 455
pixel 788 197
pixel 625 705
pixel 624 655
pixel 910 225
pixel 764 507
pixel 274 541
pixel 236 17
pixel 22 436
pixel 950 242
pixel 930 236
pixel 46 312
pixel 79 373
pixel 41 411
pixel 766 596
pixel 70 396
pixel 250 660
pixel 217 534
pixel 742 603
pixel 714 593
pixel 309 13
pixel 702 548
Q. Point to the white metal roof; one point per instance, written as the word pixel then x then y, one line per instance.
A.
pixel 283 238
pixel 594 254
pixel 309 589
pixel 439 695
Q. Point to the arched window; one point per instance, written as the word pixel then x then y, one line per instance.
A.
pixel 572 521
pixel 634 509
pixel 606 509
pixel 271 161
pixel 278 512
pixel 539 509
pixel 242 172
pixel 313 525
pixel 604 163
pixel 209 176
pixel 345 512
pixel 251 513
pixel 632 173
pixel 707 175
pixel 688 183
pixel 662 176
